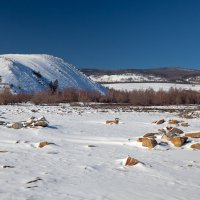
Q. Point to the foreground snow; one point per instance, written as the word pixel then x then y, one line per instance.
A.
pixel 155 86
pixel 70 169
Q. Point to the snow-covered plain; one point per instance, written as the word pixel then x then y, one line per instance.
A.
pixel 155 86
pixel 127 77
pixel 87 159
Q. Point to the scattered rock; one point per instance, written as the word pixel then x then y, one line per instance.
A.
pixel 161 121
pixel 195 146
pixel 151 135
pixel 173 121
pixel 178 141
pixel 17 125
pixel 114 121
pixel 175 130
pixel 43 144
pixel 131 161
pixel 149 142
pixel 40 123
pixel 193 135
pixel 185 124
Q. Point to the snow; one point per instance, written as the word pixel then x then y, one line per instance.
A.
pixel 155 86
pixel 128 77
pixel 18 70
pixel 70 169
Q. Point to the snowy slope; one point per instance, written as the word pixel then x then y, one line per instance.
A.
pixel 21 72
pixel 127 77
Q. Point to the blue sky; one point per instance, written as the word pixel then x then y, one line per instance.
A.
pixel 104 33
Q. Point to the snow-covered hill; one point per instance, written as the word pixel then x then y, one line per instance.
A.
pixel 33 73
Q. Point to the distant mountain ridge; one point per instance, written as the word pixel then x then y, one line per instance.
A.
pixel 34 72
pixel 174 75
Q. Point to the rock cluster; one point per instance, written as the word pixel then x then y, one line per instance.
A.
pixel 31 123
pixel 169 135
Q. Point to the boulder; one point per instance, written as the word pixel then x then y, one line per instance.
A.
pixel 178 141
pixel 131 161
pixel 195 146
pixel 173 121
pixel 43 144
pixel 17 125
pixel 149 142
pixel 193 135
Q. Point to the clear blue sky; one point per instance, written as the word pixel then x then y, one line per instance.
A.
pixel 104 33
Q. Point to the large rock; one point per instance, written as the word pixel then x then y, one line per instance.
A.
pixel 193 135
pixel 149 142
pixel 17 125
pixel 178 141
pixel 131 161
pixel 195 146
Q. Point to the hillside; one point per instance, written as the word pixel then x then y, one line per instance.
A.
pixel 33 73
pixel 172 75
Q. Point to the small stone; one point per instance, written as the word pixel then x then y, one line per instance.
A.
pixel 43 144
pixel 160 121
pixel 185 124
pixel 195 146
pixel 175 130
pixel 131 161
pixel 193 135
pixel 173 121
pixel 152 135
pixel 149 142
pixel 17 125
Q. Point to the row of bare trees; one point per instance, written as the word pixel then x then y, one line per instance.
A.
pixel 147 97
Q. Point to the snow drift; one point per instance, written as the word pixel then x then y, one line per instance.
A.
pixel 33 73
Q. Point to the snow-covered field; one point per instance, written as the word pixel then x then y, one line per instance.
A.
pixel 87 158
pixel 155 86
pixel 127 77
